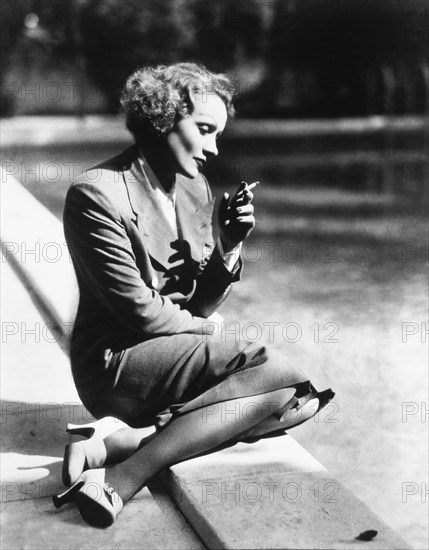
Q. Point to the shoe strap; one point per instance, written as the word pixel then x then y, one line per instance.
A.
pixel 113 497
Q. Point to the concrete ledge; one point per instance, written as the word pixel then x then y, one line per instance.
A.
pixel 142 524
pixel 272 494
pixel 33 419
pixel 43 131
pixel 33 242
pixel 32 447
pixel 34 367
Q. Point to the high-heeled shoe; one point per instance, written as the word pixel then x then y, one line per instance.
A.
pixel 102 428
pixel 295 412
pixel 81 456
pixel 97 502
pixel 89 454
pixel 305 408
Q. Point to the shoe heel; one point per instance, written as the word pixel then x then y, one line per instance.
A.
pixel 86 430
pixel 99 510
pixel 67 496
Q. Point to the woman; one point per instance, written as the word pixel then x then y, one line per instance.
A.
pixel 151 278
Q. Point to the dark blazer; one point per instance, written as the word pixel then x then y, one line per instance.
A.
pixel 137 280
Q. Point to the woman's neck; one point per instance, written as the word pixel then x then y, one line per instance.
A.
pixel 157 156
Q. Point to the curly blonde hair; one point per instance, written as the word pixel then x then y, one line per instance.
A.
pixel 155 98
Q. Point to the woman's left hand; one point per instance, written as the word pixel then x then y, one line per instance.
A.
pixel 235 216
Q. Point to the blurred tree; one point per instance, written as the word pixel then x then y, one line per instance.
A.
pixel 335 45
pixel 228 32
pixel 12 25
pixel 43 65
pixel 118 37
pixel 231 35
pixel 286 57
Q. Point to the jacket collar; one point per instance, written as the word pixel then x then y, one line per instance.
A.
pixel 193 210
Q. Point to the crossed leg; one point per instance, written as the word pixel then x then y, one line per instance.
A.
pixel 186 436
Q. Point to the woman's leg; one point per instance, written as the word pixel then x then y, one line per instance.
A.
pixel 183 376
pixel 123 443
pixel 97 452
pixel 193 433
pixel 292 418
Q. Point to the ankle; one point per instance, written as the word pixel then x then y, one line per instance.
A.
pixel 122 483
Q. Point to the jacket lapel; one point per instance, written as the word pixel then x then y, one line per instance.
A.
pixel 194 218
pixel 150 219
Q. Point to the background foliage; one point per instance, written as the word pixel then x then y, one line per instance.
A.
pixel 312 58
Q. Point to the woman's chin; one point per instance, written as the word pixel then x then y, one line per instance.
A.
pixel 189 172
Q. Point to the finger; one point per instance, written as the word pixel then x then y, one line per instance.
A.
pixel 240 190
pixel 224 203
pixel 245 198
pixel 246 220
pixel 245 209
pixel 249 195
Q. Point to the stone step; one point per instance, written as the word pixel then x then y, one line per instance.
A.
pixel 31 462
pixel 34 367
pixel 38 400
pixel 33 524
pixel 33 243
pixel 272 494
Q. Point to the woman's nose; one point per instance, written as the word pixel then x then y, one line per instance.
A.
pixel 210 147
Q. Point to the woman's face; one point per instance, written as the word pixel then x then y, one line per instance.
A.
pixel 193 139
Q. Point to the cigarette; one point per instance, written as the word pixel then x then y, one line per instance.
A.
pixel 253 185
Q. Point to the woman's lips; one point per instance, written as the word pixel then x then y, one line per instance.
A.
pixel 200 163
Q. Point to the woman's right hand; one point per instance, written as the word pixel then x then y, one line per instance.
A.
pixel 235 217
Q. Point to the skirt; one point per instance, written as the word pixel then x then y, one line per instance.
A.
pixel 157 380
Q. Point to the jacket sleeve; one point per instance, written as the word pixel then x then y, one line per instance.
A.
pixel 103 256
pixel 213 285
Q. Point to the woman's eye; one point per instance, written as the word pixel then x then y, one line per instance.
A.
pixel 203 130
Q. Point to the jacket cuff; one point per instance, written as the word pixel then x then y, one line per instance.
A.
pixel 224 272
pixel 230 259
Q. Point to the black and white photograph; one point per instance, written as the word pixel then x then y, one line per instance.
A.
pixel 214 274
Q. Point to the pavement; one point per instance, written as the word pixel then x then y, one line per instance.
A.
pixel 38 399
pixel 215 492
